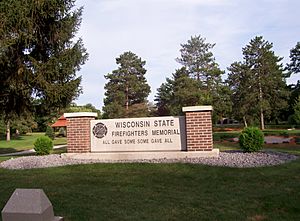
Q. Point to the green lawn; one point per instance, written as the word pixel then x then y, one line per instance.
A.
pixel 24 142
pixel 163 191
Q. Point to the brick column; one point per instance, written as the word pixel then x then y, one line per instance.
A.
pixel 198 128
pixel 79 131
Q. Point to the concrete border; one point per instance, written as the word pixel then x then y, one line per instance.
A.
pixel 197 108
pixel 119 156
pixel 80 114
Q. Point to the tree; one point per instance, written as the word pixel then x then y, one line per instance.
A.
pixel 294 90
pixel 177 92
pixel 197 58
pixel 222 102
pixel 258 83
pixel 296 115
pixel 294 65
pixel 126 88
pixel 243 102
pixel 198 82
pixel 38 58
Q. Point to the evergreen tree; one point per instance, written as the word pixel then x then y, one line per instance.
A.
pixel 197 83
pixel 163 98
pixel 294 65
pixel 222 103
pixel 178 92
pixel 296 115
pixel 38 57
pixel 197 58
pixel 288 114
pixel 243 101
pixel 127 88
pixel 258 84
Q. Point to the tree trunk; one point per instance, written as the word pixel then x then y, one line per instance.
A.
pixel 221 120
pixel 127 98
pixel 245 121
pixel 262 122
pixel 8 131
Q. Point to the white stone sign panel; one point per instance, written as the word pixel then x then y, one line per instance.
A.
pixel 138 134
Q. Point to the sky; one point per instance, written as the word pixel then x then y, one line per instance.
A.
pixel 155 29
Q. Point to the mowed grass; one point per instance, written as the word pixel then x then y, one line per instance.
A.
pixel 163 191
pixel 24 142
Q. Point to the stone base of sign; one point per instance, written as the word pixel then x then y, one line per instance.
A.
pixel 155 155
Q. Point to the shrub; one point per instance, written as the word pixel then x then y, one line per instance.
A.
pixel 49 132
pixel 43 145
pixel 251 139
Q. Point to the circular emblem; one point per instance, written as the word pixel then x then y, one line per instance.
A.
pixel 99 130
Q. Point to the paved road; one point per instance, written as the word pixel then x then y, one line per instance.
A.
pixel 27 151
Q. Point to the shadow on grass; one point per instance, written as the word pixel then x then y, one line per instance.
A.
pixel 9 150
pixel 12 138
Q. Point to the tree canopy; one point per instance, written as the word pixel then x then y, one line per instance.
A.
pixel 178 91
pixel 198 82
pixel 258 83
pixel 127 88
pixel 294 65
pixel 39 57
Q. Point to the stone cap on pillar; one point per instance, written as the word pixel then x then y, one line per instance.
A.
pixel 80 114
pixel 197 108
pixel 29 204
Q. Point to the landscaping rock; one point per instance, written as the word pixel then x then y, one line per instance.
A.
pixel 225 159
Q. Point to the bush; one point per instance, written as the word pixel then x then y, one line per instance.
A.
pixel 50 133
pixel 43 145
pixel 251 139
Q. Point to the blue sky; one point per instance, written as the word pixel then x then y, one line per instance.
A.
pixel 154 30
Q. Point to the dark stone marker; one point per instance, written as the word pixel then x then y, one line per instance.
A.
pixel 29 205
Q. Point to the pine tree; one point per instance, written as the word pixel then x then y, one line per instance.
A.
pixel 197 83
pixel 244 102
pixel 294 65
pixel 127 88
pixel 177 92
pixel 197 58
pixel 38 57
pixel 296 115
pixel 258 83
pixel 222 103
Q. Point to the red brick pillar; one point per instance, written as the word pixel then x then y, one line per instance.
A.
pixel 198 128
pixel 79 131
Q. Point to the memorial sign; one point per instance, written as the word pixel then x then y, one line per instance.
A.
pixel 138 134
